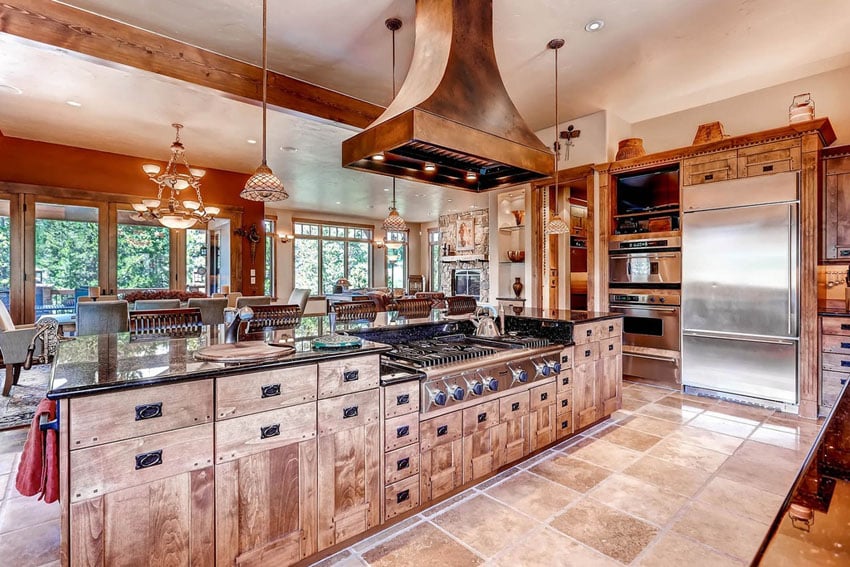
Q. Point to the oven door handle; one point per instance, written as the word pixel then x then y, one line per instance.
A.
pixel 648 307
pixel 653 357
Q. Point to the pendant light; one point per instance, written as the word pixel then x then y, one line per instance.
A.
pixel 394 223
pixel 556 224
pixel 264 184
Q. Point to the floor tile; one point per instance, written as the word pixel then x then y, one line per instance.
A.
pixel 12 440
pixel 683 401
pixel 771 454
pixel 650 393
pixel 4 484
pixel 639 498
pixel 717 528
pixel 742 410
pixel 633 404
pixel 550 548
pixel 32 547
pixel 629 438
pixel 388 533
pixel 485 525
pixel 498 478
pixel 610 531
pixel 721 423
pixel 417 546
pixel 604 454
pixel 536 496
pixel 676 415
pixel 342 559
pixel 741 499
pixel 6 460
pixel 681 480
pixel 776 480
pixel 673 550
pixel 726 444
pixel 687 455
pixel 572 473
pixel 781 436
pixel 26 512
pixel 650 425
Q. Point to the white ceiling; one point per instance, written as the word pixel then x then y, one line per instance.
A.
pixel 653 57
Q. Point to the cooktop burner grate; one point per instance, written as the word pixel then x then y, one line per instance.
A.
pixel 442 350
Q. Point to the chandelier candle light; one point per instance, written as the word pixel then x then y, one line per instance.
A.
pixel 264 184
pixel 175 213
pixel 556 223
pixel 394 224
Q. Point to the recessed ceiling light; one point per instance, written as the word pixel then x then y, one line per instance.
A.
pixel 471 176
pixel 73 103
pixel 430 167
pixel 251 141
pixel 594 25
pixel 449 200
pixel 288 149
pixel 378 157
pixel 10 89
pixel 386 189
pixel 339 202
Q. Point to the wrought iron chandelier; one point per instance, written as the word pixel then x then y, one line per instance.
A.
pixel 264 185
pixel 175 213
pixel 556 224
pixel 394 224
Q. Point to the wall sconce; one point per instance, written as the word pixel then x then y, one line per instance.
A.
pixel 379 244
pixel 285 238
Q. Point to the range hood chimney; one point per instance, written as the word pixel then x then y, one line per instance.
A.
pixel 452 111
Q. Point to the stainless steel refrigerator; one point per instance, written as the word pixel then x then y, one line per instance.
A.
pixel 740 287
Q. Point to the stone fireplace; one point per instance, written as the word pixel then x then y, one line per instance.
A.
pixel 468 263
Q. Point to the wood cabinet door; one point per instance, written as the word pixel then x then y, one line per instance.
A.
pixel 514 411
pixel 542 422
pixel 350 455
pixel 483 441
pixel 585 399
pixel 168 521
pixel 609 380
pixel 441 463
pixel 837 209
pixel 266 506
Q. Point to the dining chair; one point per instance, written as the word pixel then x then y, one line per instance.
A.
pixel 273 317
pixel 166 322
pixel 413 307
pixel 460 305
pixel 252 300
pixel 232 297
pixel 212 308
pixel 299 296
pixel 354 310
pixel 101 317
pixel 146 304
pixel 25 345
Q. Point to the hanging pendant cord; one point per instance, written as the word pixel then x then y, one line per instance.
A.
pixel 557 128
pixel 265 80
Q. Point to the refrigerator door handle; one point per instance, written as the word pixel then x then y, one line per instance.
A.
pixel 642 306
pixel 738 337
pixel 793 328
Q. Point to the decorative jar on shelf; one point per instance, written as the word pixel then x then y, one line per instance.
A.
pixel 517 287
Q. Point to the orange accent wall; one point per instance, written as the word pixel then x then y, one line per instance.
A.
pixel 55 165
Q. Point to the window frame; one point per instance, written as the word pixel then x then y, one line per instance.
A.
pixel 320 237
pixel 432 253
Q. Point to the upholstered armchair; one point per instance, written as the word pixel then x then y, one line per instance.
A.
pixel 25 345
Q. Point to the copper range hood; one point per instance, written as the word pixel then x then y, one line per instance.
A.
pixel 452 111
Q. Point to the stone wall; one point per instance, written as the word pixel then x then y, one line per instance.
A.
pixel 448 236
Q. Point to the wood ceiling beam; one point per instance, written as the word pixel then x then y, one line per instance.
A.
pixel 82 32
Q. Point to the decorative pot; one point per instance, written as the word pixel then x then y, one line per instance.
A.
pixel 630 148
pixel 516 255
pixel 517 285
pixel 519 215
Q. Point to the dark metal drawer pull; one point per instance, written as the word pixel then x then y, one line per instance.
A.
pixel 565 358
pixel 349 412
pixel 402 431
pixel 610 328
pixel 767 168
pixel 482 417
pixel 843 381
pixel 844 253
pixel 350 376
pixel 402 464
pixel 564 403
pixel 565 424
pixel 270 431
pixel 146 460
pixel 587 353
pixel 589 332
pixel 270 390
pixel 148 411
pixel 845 327
pixel 565 381
pixel 402 399
pixel 515 406
pixel 442 430
pixel 845 363
pixel 845 345
pixel 402 496
pixel 610 347
pixel 709 176
pixel 544 396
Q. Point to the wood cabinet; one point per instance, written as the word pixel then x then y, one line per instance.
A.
pixel 718 166
pixel 513 413
pixel 542 423
pixel 483 440
pixel 835 205
pixel 597 372
pixel 401 459
pixel 834 359
pixel 441 460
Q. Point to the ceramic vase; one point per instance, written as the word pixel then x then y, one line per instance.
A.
pixel 517 285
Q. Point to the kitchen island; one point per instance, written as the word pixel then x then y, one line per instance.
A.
pixel 185 461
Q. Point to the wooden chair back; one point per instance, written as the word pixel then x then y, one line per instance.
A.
pixel 460 305
pixel 166 322
pixel 413 307
pixel 354 310
pixel 273 317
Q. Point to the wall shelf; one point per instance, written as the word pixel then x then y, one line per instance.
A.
pixel 464 258
pixel 512 228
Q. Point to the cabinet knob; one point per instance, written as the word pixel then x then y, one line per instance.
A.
pixel 442 430
pixel 482 417
pixel 515 406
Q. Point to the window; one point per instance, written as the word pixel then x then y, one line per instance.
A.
pixel 325 253
pixel 5 251
pixel 268 261
pixel 434 252
pixel 397 261
pixel 196 259
pixel 144 254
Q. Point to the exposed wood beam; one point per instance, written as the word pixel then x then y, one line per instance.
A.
pixel 82 32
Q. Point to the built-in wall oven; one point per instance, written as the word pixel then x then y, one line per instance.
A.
pixel 654 262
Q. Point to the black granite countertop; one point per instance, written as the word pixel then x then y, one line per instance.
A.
pixel 811 526
pixel 833 312
pixel 563 315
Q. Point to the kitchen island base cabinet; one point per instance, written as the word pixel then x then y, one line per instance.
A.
pixel 542 415
pixel 349 465
pixel 513 414
pixel 483 441
pixel 441 461
pixel 597 372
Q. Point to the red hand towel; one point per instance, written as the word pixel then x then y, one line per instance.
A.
pixel 39 469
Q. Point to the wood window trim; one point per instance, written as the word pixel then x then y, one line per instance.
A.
pixel 319 237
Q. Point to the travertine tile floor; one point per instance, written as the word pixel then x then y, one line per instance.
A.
pixel 671 480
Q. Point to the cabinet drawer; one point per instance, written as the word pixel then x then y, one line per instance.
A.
pixel 835 362
pixel 564 403
pixel 769 158
pixel 130 413
pixel 835 344
pixel 564 426
pixel 242 436
pixel 401 463
pixel 585 333
pixel 564 381
pixel 612 328
pixel 400 431
pixel 567 357
pixel 831 385
pixel 513 406
pixel 440 430
pixel 587 352
pixel 400 399
pixel 541 396
pixel 348 412
pixel 337 377
pixel 401 497
pixel 480 417
pixel 710 168
pixel 260 391
pixel 96 471
pixel 611 347
pixel 835 326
